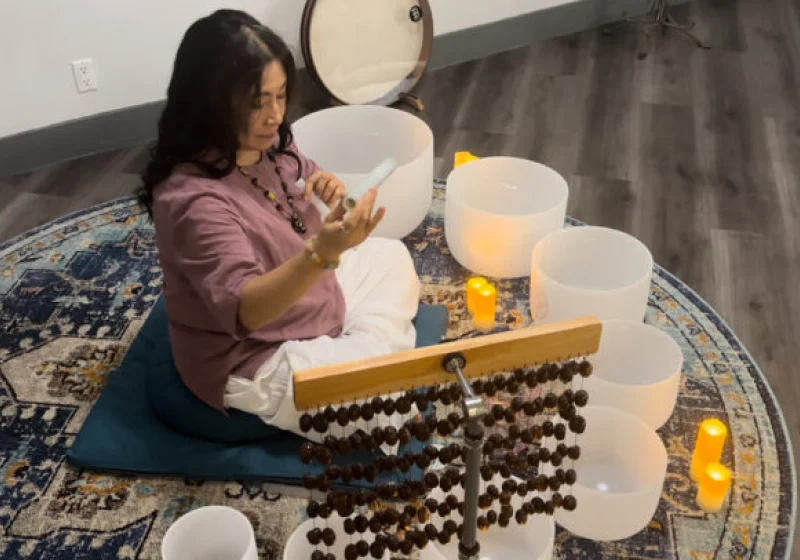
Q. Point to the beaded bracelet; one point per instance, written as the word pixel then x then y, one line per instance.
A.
pixel 311 252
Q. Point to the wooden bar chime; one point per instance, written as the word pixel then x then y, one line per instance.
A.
pixel 494 419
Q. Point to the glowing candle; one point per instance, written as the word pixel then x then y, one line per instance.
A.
pixel 484 307
pixel 474 286
pixel 463 157
pixel 708 448
pixel 713 487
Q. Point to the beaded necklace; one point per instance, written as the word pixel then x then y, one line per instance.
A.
pixel 291 214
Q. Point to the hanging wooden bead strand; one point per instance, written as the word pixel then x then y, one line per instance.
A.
pixel 313 509
pixel 581 399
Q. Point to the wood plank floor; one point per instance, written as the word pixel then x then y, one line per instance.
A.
pixel 695 152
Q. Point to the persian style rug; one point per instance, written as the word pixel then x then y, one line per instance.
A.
pixel 74 293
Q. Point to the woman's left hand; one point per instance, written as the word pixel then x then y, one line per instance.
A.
pixel 327 187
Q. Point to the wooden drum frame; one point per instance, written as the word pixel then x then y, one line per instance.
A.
pixel 329 74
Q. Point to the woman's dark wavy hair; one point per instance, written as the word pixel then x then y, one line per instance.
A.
pixel 217 72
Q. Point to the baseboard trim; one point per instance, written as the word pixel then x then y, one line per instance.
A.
pixel 134 125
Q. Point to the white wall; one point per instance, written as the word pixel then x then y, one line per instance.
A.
pixel 132 43
pixel 453 15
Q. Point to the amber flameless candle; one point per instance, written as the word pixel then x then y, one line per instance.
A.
pixel 474 286
pixel 708 448
pixel 484 307
pixel 713 487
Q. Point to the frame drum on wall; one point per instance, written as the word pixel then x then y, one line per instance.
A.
pixel 366 52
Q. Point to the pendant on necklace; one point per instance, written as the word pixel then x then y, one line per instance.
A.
pixel 298 225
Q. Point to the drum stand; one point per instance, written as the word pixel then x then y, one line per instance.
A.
pixel 659 16
pixel 412 101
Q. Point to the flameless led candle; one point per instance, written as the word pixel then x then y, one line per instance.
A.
pixel 708 448
pixel 473 288
pixel 484 307
pixel 463 157
pixel 715 482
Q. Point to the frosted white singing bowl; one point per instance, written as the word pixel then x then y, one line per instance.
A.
pixel 637 369
pixel 298 547
pixel 350 141
pixel 621 472
pixel 532 541
pixel 497 208
pixel 210 533
pixel 587 270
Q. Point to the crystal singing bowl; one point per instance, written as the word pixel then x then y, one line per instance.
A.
pixel 588 270
pixel 298 547
pixel 350 141
pixel 637 369
pixel 210 533
pixel 497 208
pixel 532 541
pixel 621 472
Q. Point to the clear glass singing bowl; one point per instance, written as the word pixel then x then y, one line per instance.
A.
pixel 588 270
pixel 636 369
pixel 351 140
pixel 210 533
pixel 497 209
pixel 532 541
pixel 620 476
pixel 298 547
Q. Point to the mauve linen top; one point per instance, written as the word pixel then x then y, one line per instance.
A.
pixel 213 237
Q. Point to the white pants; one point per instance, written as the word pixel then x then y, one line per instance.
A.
pixel 381 290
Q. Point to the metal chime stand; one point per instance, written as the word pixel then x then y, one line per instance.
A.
pixel 474 409
pixel 660 16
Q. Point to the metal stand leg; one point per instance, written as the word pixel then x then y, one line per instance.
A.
pixel 412 101
pixel 659 16
pixel 474 409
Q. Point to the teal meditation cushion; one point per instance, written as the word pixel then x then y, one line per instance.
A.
pixel 177 407
pixel 148 422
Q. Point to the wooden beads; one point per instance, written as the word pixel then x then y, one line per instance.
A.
pixel 515 422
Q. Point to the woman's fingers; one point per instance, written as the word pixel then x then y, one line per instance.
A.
pixel 311 183
pixel 376 219
pixel 341 194
pixel 362 221
pixel 333 192
pixel 365 207
pixel 323 189
pixel 336 214
pixel 326 186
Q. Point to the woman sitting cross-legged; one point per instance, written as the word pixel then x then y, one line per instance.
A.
pixel 258 284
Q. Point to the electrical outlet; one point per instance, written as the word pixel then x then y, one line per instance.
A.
pixel 85 77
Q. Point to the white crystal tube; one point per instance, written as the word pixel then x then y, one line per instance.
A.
pixel 375 178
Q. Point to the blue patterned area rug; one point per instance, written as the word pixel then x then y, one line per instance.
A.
pixel 74 293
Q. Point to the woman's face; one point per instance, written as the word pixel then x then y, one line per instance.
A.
pixel 268 112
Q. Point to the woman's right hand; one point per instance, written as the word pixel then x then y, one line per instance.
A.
pixel 339 234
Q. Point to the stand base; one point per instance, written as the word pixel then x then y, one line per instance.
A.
pixel 659 16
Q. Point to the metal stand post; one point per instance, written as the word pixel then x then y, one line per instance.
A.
pixel 659 16
pixel 474 409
